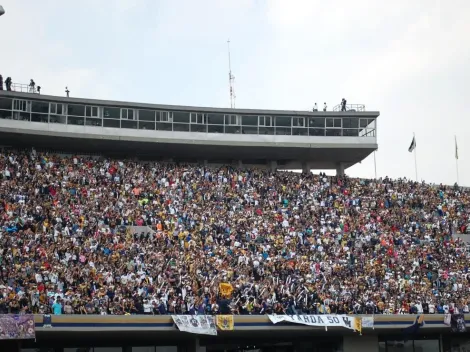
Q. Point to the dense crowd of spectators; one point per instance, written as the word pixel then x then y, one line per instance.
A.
pixel 287 243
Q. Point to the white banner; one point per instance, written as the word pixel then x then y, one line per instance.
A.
pixel 343 321
pixel 368 322
pixel 196 324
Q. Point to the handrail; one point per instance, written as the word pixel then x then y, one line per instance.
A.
pixel 24 88
pixel 351 107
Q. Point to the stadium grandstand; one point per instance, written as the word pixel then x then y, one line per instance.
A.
pixel 141 228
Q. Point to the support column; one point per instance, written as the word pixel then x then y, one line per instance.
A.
pixel 205 162
pixel 273 165
pixel 240 164
pixel 364 343
pixel 340 169
pixel 305 167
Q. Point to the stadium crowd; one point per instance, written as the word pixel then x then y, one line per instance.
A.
pixel 279 243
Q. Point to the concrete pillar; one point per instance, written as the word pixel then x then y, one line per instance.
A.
pixel 240 164
pixel 364 343
pixel 273 165
pixel 305 167
pixel 205 162
pixel 339 169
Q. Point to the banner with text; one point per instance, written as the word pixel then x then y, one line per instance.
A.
pixel 343 321
pixel 196 324
pixel 17 327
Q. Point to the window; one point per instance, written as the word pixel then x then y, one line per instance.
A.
pixel 165 116
pixel 76 110
pixel 318 122
pixel 265 121
pixel 198 118
pixel 111 113
pixel 426 345
pixel 350 122
pixel 298 121
pixel 40 106
pixel 333 123
pixel 283 121
pixel 181 117
pixel 232 120
pixel 215 119
pixel 400 346
pixel 367 123
pixel 56 109
pixel 250 120
pixel 5 104
pixel 147 115
pixel 127 114
pixel 21 105
pixel 92 111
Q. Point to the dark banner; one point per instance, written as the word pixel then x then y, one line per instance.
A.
pixel 17 327
pixel 457 323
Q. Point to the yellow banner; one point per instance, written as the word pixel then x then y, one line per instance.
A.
pixel 358 324
pixel 224 322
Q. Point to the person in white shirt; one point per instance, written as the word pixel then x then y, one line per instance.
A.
pixel 432 308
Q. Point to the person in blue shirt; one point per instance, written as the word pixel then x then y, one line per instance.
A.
pixel 57 307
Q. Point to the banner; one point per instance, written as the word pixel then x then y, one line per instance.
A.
pixel 343 321
pixel 368 322
pixel 17 327
pixel 457 323
pixel 358 325
pixel 224 322
pixel 46 321
pixel 196 324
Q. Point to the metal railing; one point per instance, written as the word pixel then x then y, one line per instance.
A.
pixel 23 88
pixel 351 107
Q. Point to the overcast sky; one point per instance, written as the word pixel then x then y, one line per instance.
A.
pixel 408 59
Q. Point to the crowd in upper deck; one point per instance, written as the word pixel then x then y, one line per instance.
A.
pixel 285 243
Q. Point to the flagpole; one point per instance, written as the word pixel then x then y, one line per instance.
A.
pixel 457 160
pixel 416 162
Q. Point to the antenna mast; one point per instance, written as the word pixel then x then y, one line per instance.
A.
pixel 231 79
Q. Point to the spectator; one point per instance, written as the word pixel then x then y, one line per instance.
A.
pixel 57 307
pixel 8 83
pixel 324 107
pixel 286 243
pixel 1 82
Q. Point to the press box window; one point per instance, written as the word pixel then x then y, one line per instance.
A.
pixel 91 111
pixel 56 109
pixel 127 114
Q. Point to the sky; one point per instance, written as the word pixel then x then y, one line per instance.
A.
pixel 410 60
